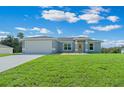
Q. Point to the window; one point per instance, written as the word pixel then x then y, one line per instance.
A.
pixel 91 46
pixel 67 46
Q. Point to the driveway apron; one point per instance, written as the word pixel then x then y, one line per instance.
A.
pixel 8 62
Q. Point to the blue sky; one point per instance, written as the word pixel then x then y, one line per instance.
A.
pixel 104 23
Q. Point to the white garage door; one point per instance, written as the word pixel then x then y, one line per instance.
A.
pixel 42 47
pixel 6 50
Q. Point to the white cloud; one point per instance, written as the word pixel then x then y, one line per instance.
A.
pixel 36 29
pixel 2 37
pixel 92 15
pixel 106 28
pixel 41 30
pixel 91 18
pixel 57 15
pixel 95 10
pixel 59 31
pixel 21 28
pixel 44 31
pixel 86 32
pixel 112 43
pixel 3 34
pixel 113 18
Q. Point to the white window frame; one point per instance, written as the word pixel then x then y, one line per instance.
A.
pixel 93 46
pixel 67 48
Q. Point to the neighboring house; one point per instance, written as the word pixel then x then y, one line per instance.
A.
pixel 5 49
pixel 45 45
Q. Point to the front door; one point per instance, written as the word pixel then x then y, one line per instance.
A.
pixel 80 47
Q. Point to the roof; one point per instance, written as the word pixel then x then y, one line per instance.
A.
pixel 4 46
pixel 65 38
pixel 39 38
pixel 60 38
pixel 95 40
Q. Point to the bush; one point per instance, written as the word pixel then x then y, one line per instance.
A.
pixel 111 50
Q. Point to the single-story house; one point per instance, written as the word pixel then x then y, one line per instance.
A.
pixel 46 45
pixel 5 49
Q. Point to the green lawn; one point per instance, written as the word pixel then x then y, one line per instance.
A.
pixel 2 55
pixel 68 70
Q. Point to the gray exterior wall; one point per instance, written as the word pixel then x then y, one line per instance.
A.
pixel 96 47
pixel 60 45
pixel 55 48
pixel 83 46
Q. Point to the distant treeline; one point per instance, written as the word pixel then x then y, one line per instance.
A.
pixel 112 50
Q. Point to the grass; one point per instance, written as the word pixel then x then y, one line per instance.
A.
pixel 2 55
pixel 93 70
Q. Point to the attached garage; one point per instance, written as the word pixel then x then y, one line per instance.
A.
pixel 38 46
pixel 5 49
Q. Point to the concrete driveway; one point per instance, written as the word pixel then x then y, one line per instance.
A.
pixel 8 62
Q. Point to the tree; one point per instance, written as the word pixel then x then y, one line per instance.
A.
pixel 20 35
pixel 12 42
pixel 8 41
pixel 16 43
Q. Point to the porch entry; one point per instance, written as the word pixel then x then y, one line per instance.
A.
pixel 79 46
